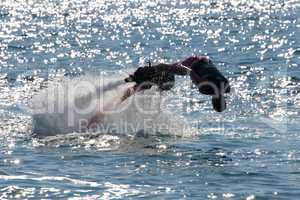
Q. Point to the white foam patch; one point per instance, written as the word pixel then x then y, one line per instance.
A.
pixel 68 106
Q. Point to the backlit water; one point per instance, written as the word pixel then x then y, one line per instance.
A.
pixel 250 151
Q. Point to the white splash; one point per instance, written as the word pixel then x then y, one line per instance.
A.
pixel 68 106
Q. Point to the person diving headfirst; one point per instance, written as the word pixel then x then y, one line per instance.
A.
pixel 203 73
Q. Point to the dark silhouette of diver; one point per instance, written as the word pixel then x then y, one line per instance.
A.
pixel 201 70
pixel 203 73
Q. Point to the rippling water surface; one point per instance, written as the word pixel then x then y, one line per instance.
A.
pixel 250 151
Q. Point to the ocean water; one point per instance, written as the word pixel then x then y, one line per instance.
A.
pixel 250 151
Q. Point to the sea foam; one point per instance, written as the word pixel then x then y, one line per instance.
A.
pixel 67 106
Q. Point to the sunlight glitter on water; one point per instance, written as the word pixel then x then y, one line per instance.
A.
pixel 255 142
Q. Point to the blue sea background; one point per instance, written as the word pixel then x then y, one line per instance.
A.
pixel 250 151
